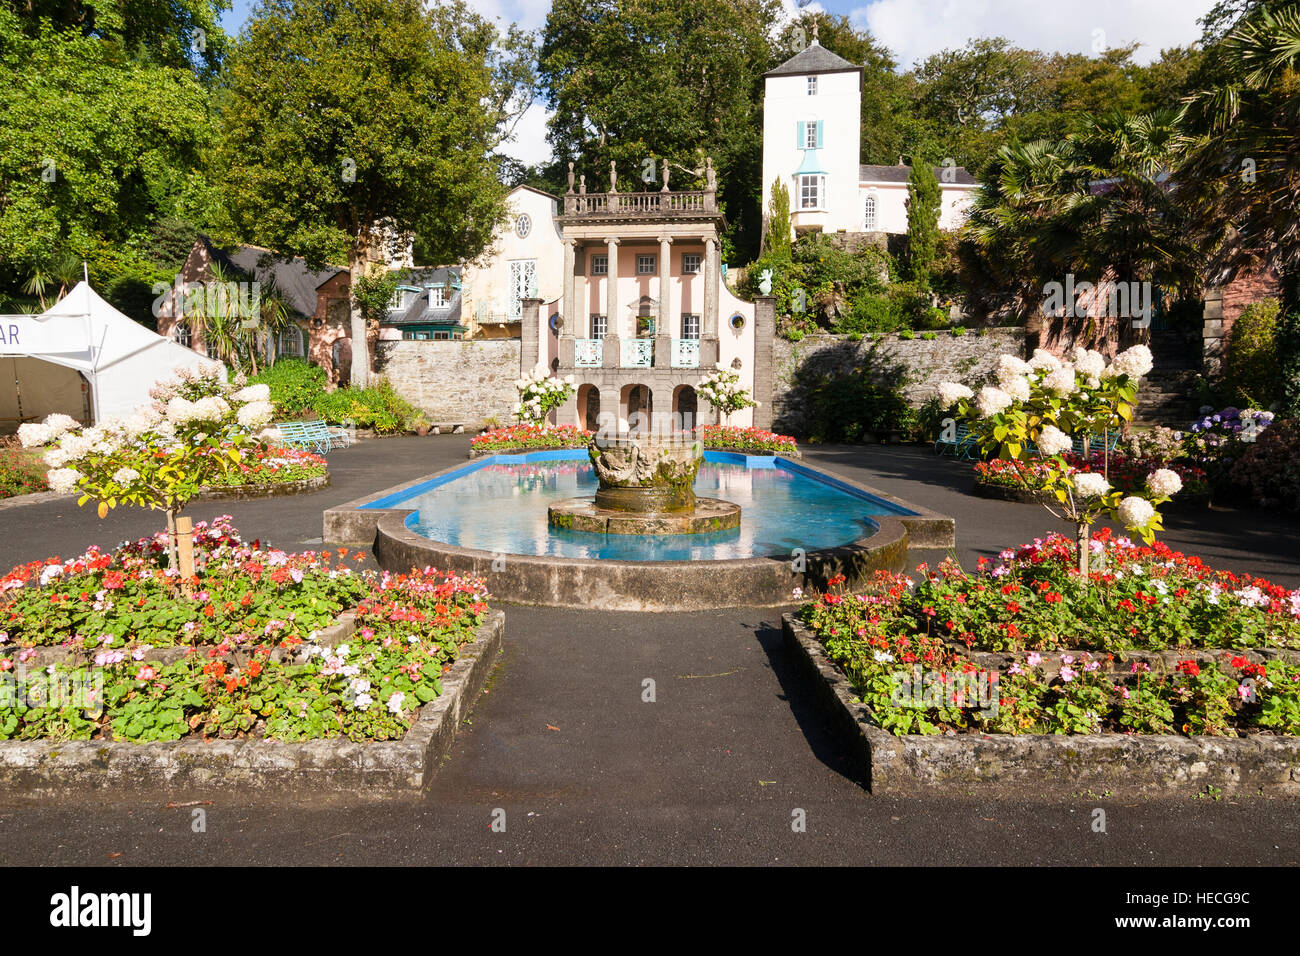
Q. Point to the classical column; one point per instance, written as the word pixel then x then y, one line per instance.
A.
pixel 614 315
pixel 712 281
pixel 569 304
pixel 530 345
pixel 662 326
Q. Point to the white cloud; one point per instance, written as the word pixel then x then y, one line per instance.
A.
pixel 529 14
pixel 528 144
pixel 914 29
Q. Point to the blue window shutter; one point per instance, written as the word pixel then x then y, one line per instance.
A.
pixel 801 135
pixel 821 127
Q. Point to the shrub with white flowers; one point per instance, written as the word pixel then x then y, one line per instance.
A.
pixel 1037 409
pixel 161 455
pixel 540 393
pixel 722 390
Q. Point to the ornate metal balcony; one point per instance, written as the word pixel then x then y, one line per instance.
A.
pixel 638 353
pixel 587 353
pixel 686 353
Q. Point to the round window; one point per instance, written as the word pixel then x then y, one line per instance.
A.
pixel 523 226
pixel 737 321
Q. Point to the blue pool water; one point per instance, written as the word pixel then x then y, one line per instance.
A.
pixel 499 504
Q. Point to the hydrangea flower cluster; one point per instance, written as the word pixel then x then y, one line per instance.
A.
pixel 540 393
pixel 722 390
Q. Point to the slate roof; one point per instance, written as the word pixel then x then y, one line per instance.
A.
pixel 420 312
pixel 815 59
pixel 293 279
pixel 899 174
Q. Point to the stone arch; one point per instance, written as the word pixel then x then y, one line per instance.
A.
pixel 686 405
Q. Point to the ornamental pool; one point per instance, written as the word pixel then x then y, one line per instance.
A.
pixel 499 504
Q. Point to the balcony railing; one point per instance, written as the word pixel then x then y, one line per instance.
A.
pixel 638 353
pixel 588 353
pixel 660 204
pixel 686 353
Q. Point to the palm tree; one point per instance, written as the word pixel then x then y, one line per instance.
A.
pixel 1245 168
pixel 63 270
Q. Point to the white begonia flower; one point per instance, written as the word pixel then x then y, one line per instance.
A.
pixel 395 703
pixel 1060 382
pixel 950 393
pixel 1089 484
pixel 990 401
pixel 1133 362
pixel 1044 361
pixel 253 393
pixel 1135 512
pixel 34 435
pixel 63 480
pixel 1164 482
pixel 1017 387
pixel 1053 441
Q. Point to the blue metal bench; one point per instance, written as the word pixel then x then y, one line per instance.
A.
pixel 963 444
pixel 316 436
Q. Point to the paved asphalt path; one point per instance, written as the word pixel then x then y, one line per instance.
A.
pixel 712 771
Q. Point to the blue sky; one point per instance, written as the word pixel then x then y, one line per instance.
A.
pixel 913 29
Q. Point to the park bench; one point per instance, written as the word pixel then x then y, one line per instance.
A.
pixel 963 444
pixel 317 436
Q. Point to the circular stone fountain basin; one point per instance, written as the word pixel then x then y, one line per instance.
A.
pixel 583 514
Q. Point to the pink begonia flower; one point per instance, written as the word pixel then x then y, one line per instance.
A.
pixel 1068 674
pixel 1034 659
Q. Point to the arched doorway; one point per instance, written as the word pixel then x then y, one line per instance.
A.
pixel 638 407
pixel 685 407
pixel 589 407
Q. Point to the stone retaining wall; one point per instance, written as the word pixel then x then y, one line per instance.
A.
pixel 927 363
pixel 454 382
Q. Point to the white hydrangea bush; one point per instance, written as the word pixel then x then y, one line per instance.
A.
pixel 161 455
pixel 540 393
pixel 1038 408
pixel 722 390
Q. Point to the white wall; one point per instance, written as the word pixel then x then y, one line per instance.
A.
pixel 486 286
pixel 838 103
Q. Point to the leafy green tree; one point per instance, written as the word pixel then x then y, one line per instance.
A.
pixel 341 120
pixel 95 145
pixel 924 201
pixel 635 82
pixel 777 241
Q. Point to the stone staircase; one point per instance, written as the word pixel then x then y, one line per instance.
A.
pixel 1167 395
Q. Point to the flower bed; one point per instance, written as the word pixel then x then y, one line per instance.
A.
pixel 20 473
pixel 1075 652
pixel 1126 475
pixel 754 441
pixel 273 465
pixel 240 656
pixel 524 437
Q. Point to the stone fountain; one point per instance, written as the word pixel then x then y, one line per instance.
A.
pixel 647 486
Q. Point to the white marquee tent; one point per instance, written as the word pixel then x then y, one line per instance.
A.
pixel 83 358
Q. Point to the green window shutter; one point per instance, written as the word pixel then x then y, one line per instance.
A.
pixel 821 128
pixel 801 135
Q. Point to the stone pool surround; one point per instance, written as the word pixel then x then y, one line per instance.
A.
pixel 586 583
